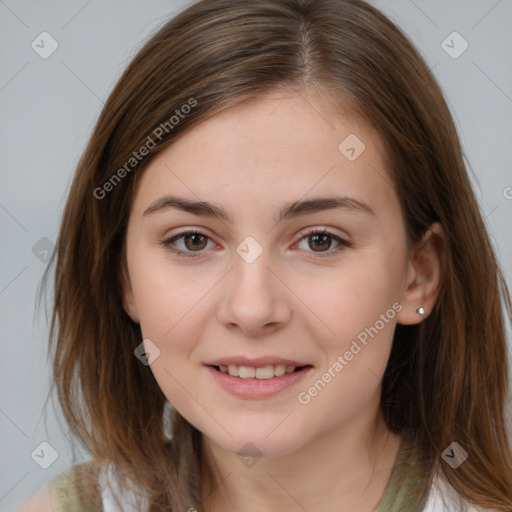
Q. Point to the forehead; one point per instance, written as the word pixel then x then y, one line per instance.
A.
pixel 271 150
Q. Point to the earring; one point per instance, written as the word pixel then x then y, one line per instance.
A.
pixel 420 311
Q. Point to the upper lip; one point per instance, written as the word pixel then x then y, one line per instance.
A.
pixel 256 362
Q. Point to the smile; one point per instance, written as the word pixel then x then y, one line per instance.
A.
pixel 257 381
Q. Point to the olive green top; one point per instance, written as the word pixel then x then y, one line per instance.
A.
pixel 408 487
pixel 77 489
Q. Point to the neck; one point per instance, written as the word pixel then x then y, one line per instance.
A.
pixel 342 470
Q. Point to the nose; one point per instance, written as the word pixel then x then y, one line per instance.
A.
pixel 254 299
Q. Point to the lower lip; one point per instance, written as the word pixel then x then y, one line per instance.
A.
pixel 257 388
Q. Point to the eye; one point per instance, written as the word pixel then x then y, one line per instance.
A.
pixel 196 241
pixel 321 239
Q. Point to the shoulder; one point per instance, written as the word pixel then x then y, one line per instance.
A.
pixel 40 502
pixel 76 488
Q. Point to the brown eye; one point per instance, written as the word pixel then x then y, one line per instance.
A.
pixel 191 242
pixel 320 241
pixel 195 241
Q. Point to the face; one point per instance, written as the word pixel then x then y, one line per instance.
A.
pixel 272 279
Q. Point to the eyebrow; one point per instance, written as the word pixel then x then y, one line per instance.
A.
pixel 288 211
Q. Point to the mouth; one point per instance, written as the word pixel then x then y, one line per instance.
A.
pixel 257 377
pixel 266 372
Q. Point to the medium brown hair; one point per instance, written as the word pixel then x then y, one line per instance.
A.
pixel 447 378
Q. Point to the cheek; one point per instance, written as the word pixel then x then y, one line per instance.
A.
pixel 361 311
pixel 168 297
pixel 357 308
pixel 349 300
pixel 170 311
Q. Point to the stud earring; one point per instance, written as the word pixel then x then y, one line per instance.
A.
pixel 420 311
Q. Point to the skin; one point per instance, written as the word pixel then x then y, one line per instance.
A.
pixel 335 452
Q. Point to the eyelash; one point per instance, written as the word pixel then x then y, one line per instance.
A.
pixel 343 244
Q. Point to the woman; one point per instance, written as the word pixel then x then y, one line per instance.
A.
pixel 272 229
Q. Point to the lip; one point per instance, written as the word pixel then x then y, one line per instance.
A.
pixel 257 388
pixel 256 362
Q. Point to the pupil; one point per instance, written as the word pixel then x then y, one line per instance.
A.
pixel 325 237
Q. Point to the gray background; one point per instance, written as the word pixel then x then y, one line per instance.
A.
pixel 49 107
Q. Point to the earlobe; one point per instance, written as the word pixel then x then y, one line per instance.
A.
pixel 425 276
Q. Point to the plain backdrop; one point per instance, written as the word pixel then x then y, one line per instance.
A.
pixel 48 109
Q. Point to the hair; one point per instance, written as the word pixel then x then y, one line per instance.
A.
pixel 447 377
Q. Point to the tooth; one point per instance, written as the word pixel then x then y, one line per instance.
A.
pixel 246 372
pixel 279 369
pixel 233 370
pixel 265 372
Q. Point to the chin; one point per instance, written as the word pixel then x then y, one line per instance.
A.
pixel 258 443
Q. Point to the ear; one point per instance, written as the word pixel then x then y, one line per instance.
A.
pixel 128 299
pixel 425 276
